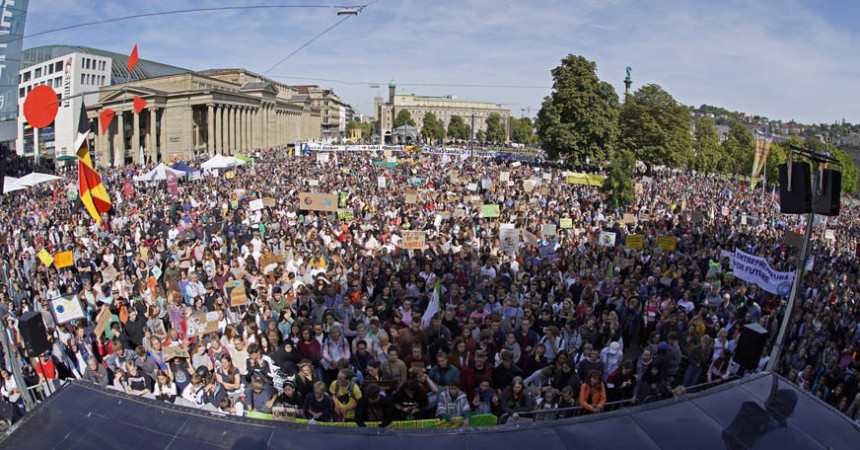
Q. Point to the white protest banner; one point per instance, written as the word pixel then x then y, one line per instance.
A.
pixel 754 269
pixel 486 183
pixel 516 164
pixel 322 157
pixel 256 205
pixel 381 182
pixel 607 238
pixel 472 187
pixel 504 176
pixel 509 239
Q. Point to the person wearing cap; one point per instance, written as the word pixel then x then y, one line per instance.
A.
pixel 373 407
pixel 453 405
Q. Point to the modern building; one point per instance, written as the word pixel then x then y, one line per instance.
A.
pixel 335 112
pixel 443 107
pixel 71 71
pixel 192 115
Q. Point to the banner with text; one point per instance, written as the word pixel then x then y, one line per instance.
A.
pixel 754 269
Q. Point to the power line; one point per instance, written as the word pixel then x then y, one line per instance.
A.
pixel 358 10
pixel 374 83
pixel 193 10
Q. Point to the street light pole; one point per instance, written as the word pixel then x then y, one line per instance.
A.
pixel 472 139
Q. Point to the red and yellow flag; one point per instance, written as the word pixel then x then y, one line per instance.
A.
pixel 92 191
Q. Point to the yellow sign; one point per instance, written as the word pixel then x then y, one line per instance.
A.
pixel 584 178
pixel 667 243
pixel 230 174
pixel 46 258
pixel 64 259
pixel 634 241
pixel 566 222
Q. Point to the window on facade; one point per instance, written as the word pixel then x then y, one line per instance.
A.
pixel 21 92
pixel 83 78
pixel 58 81
pixel 58 66
pixel 37 72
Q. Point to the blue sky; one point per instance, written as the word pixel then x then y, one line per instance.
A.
pixel 783 59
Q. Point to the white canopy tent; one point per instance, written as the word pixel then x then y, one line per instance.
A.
pixel 222 162
pixel 35 178
pixel 160 173
pixel 10 184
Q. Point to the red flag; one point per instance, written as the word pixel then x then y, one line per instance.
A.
pixel 127 189
pixel 132 59
pixel 139 104
pixel 105 118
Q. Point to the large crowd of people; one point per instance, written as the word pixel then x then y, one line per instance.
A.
pixel 322 315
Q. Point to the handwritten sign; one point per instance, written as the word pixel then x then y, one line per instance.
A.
pixel 201 324
pixel 46 258
pixel 504 176
pixel 256 205
pixel 490 211
pixel 634 241
pixel 270 202
pixel 667 243
pixel 413 240
pixel 237 294
pixel 102 321
pixel 628 218
pixel 411 198
pixel 509 240
pixel 530 238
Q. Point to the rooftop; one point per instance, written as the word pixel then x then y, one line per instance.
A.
pixel 119 67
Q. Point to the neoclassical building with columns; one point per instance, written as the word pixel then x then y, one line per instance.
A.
pixel 197 114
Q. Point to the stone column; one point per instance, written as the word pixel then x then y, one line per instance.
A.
pixel 210 129
pixel 119 140
pixel 217 136
pixel 163 149
pixel 135 138
pixel 152 141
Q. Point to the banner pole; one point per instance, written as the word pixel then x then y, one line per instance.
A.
pixel 798 274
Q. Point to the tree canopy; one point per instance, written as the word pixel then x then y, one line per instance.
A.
pixel 618 185
pixel 579 119
pixel 496 130
pixel 458 129
pixel 706 142
pixel 433 129
pixel 655 128
pixel 522 130
pixel 404 117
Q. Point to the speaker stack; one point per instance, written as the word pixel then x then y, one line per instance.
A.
pixel 750 345
pixel 32 331
pixel 795 190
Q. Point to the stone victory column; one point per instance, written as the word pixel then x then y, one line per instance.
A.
pixel 627 82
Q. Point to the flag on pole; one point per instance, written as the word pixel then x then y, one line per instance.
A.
pixel 132 60
pixel 433 306
pixel 91 190
pixel 762 150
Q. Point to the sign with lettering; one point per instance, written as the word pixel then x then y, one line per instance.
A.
pixel 667 243
pixel 318 202
pixel 413 240
pixel 634 241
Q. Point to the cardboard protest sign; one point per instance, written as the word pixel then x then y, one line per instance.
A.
pixel 634 241
pixel 229 174
pixel 102 321
pixel 628 218
pixel 318 202
pixel 270 202
pixel 201 324
pixel 110 273
pixel 238 297
pixel 256 205
pixel 490 211
pixel 413 240
pixel 607 238
pixel 547 229
pixel 530 238
pixel 168 353
pixel 67 308
pixel 504 176
pixel 411 198
pixel 565 223
pixel 270 260
pixel 667 243
pixel 459 212
pixel 509 240
pixel 64 259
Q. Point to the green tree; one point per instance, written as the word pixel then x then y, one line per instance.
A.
pixel 849 171
pixel 707 145
pixel 775 157
pixel 579 119
pixel 440 130
pixel 656 128
pixel 522 130
pixel 618 185
pixel 480 135
pixel 738 150
pixel 496 130
pixel 403 118
pixel 458 129
pixel 430 124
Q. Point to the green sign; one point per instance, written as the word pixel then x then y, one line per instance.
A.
pixel 490 211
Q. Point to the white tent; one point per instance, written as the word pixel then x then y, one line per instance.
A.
pixel 160 173
pixel 222 162
pixel 35 178
pixel 10 184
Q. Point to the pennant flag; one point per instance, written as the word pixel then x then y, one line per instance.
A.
pixel 64 259
pixel 139 104
pixel 433 306
pixel 105 118
pixel 132 60
pixel 90 187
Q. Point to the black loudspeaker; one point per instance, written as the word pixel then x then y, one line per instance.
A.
pixel 799 200
pixel 827 203
pixel 750 345
pixel 33 333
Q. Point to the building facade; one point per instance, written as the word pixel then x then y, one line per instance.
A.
pixel 193 115
pixel 76 72
pixel 335 112
pixel 443 107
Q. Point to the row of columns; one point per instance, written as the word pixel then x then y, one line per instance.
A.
pixel 237 128
pixel 116 140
